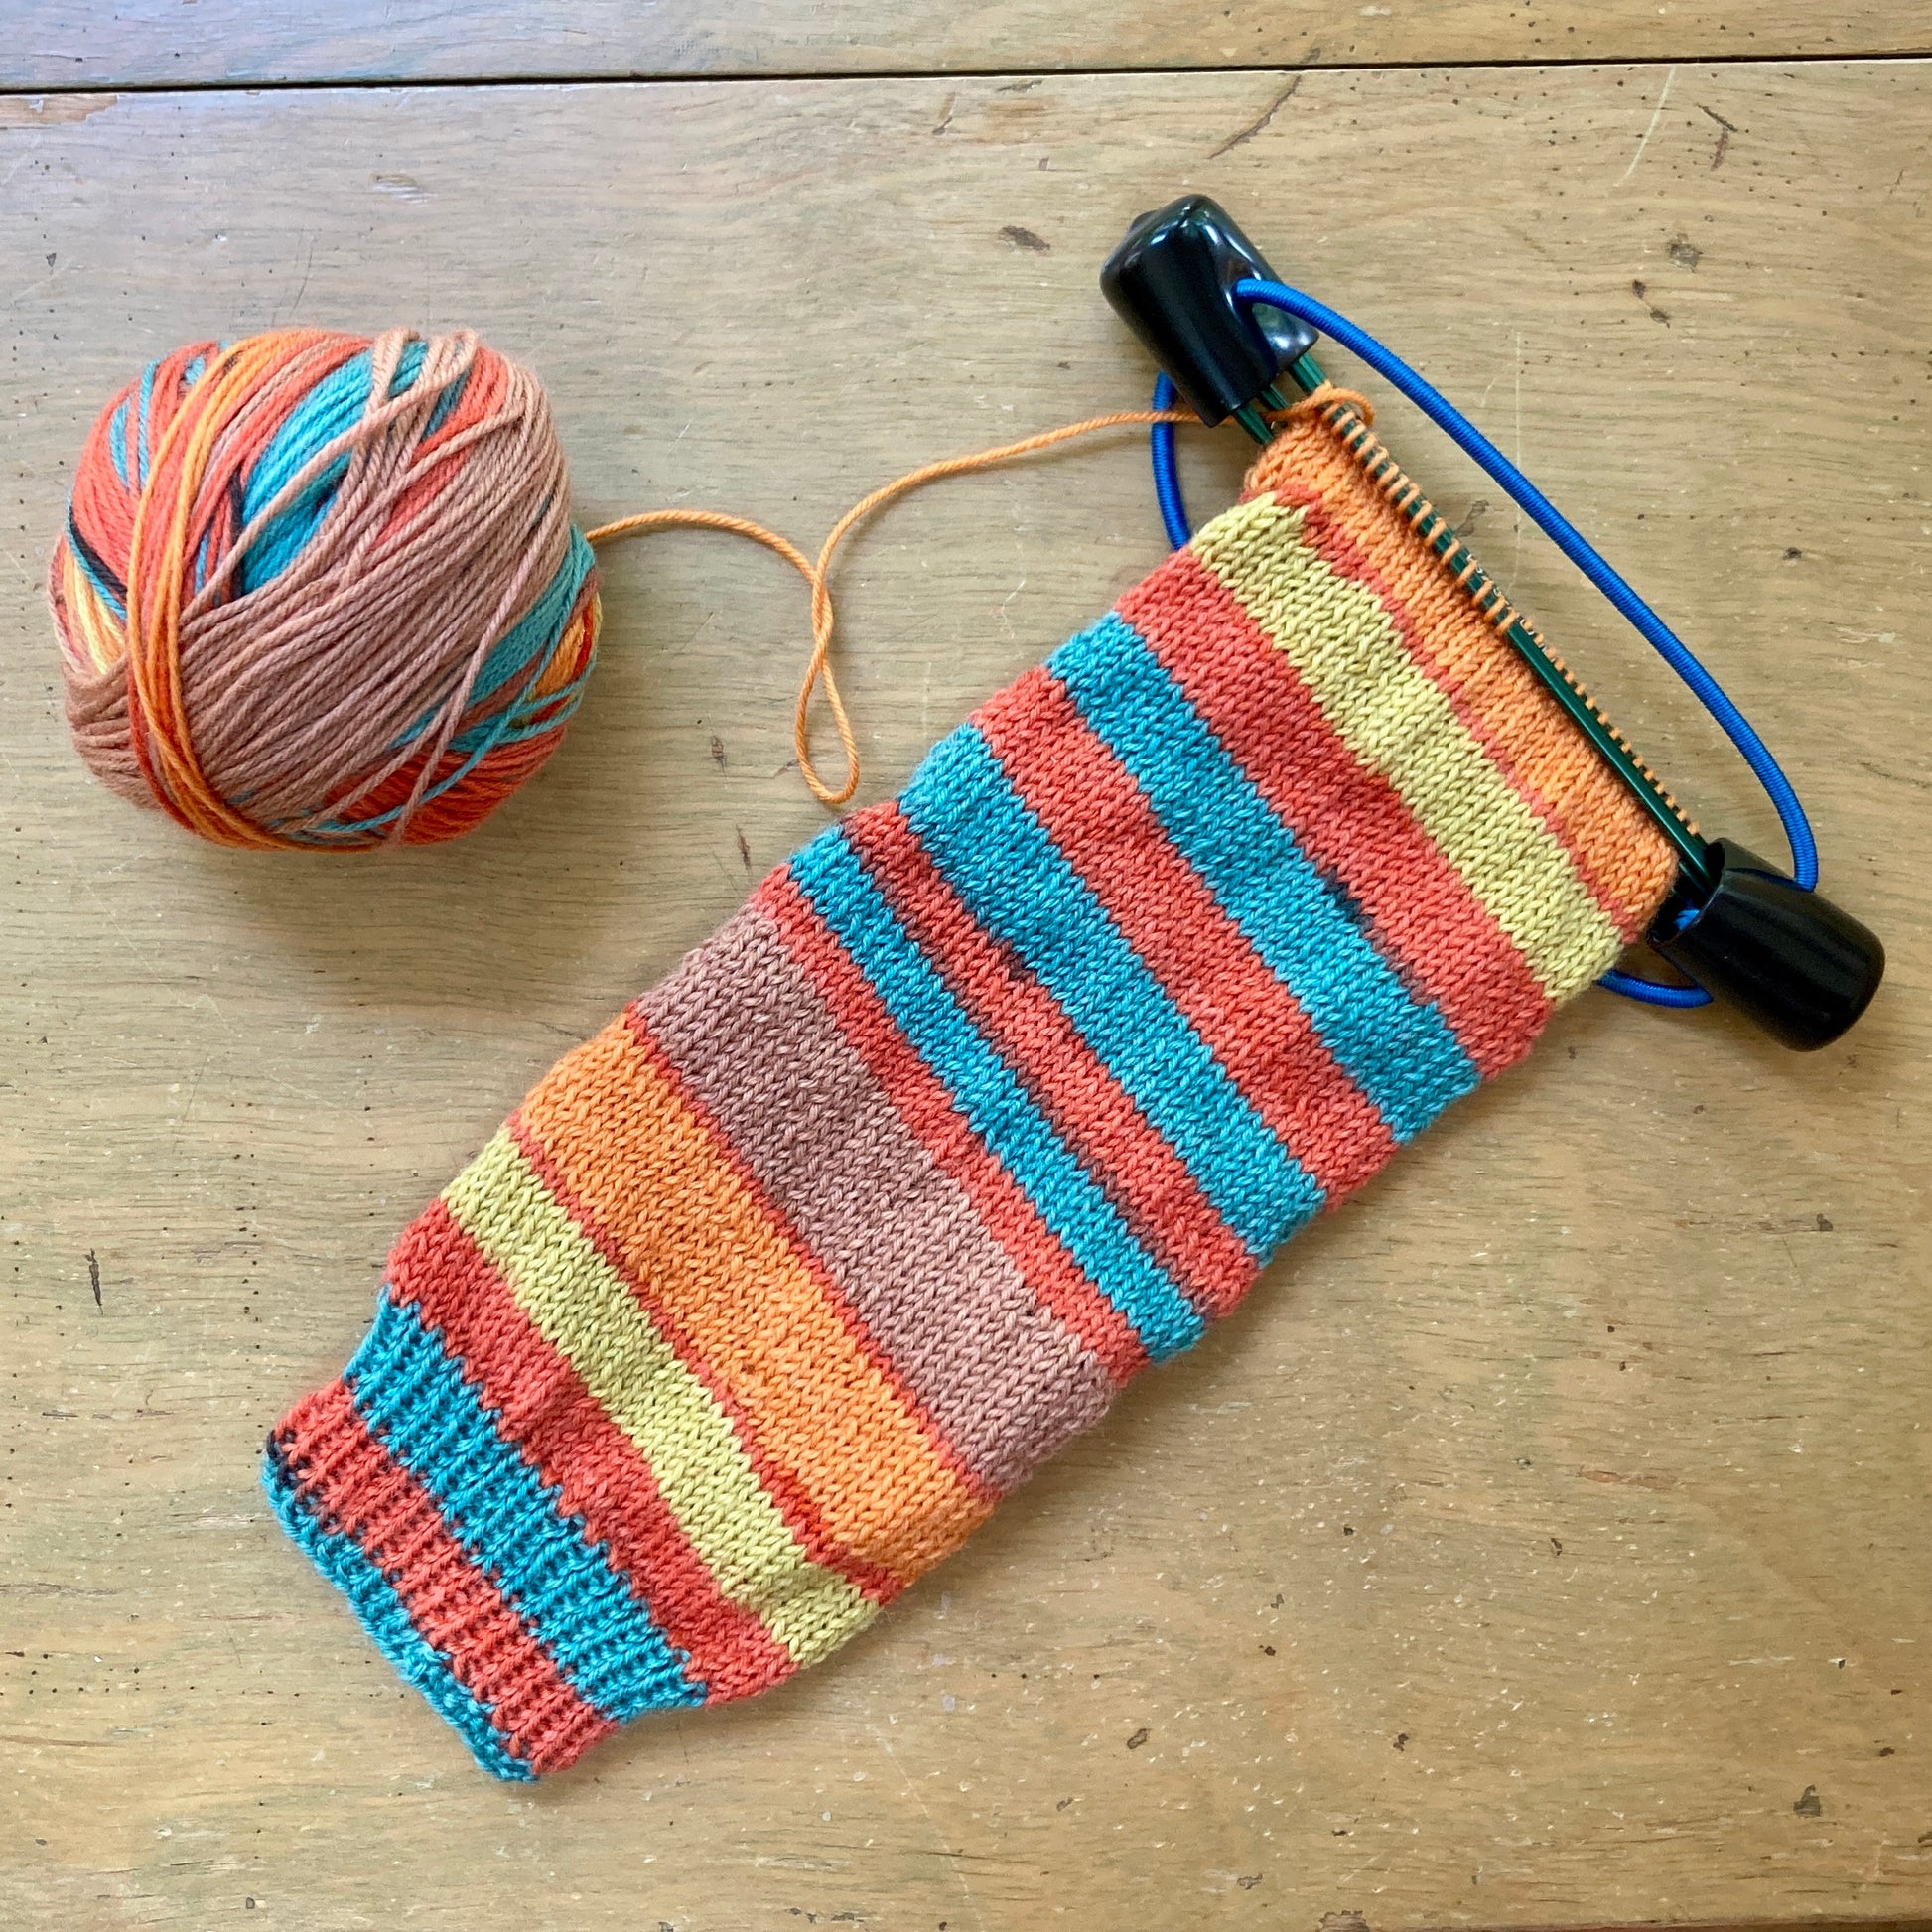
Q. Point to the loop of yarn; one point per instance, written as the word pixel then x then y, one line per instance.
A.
pixel 319 589
pixel 818 668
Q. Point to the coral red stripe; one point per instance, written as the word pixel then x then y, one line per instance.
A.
pixel 927 1109
pixel 1351 822
pixel 578 1450
pixel 359 1489
pixel 788 1496
pixel 1144 1178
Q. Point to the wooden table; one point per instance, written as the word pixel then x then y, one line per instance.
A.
pixel 1547 1542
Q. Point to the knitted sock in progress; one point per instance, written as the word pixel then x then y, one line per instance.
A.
pixel 992 1095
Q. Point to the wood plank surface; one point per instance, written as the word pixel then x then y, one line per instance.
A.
pixel 182 43
pixel 1545 1540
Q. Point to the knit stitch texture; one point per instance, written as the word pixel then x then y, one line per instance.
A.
pixel 992 1095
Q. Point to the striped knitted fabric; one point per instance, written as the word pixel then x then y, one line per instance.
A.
pixel 995 1093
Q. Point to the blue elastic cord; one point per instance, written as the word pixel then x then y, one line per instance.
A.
pixel 1166 478
pixel 1652 993
pixel 1551 521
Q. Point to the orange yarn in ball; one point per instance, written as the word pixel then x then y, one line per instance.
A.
pixel 319 589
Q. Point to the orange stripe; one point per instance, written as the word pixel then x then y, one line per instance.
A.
pixel 649 1173
pixel 779 1487
pixel 828 1287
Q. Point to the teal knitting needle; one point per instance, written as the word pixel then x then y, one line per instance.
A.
pixel 1307 376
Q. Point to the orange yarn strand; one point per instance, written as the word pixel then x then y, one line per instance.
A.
pixel 818 669
pixel 154 667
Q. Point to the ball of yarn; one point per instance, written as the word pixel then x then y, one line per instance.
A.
pixel 319 589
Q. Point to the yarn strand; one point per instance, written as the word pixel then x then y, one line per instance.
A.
pixel 818 668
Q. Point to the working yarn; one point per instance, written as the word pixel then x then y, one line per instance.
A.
pixel 993 1095
pixel 319 589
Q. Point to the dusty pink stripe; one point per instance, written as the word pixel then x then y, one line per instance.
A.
pixel 995 1370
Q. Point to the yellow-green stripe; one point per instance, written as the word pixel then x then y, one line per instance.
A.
pixel 586 1311
pixel 1398 721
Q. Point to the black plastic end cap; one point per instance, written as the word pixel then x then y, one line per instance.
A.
pixel 1171 281
pixel 1801 968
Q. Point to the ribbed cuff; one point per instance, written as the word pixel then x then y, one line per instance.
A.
pixel 460 1562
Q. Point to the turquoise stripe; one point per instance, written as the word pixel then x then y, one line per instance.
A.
pixel 334 406
pixel 995 1105
pixel 562 1583
pixel 191 375
pixel 141 423
pixel 1023 890
pixel 1401 1052
pixel 118 444
pixel 382 1613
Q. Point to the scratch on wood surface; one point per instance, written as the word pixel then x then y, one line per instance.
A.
pixel 1255 126
pixel 1516 509
pixel 1726 129
pixel 53 110
pixel 1894 777
pixel 951 1856
pixel 1657 114
pixel 308 267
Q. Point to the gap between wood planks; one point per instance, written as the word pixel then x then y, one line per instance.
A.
pixel 448 83
pixel 1907 1923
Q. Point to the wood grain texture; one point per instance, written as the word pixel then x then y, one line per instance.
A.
pixel 182 43
pixel 1545 1542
